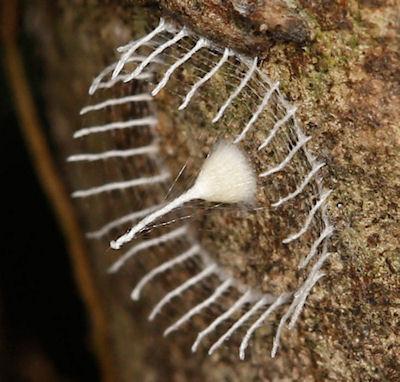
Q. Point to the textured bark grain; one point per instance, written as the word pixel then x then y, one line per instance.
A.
pixel 339 62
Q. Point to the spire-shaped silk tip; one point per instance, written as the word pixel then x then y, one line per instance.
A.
pixel 225 177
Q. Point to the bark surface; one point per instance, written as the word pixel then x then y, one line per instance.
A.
pixel 340 62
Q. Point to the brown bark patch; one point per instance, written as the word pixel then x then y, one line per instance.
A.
pixel 382 64
pixel 373 3
pixel 248 26
pixel 331 14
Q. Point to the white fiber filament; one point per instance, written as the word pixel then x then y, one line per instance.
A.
pixel 302 298
pixel 241 86
pixel 115 102
pixel 121 185
pixel 199 307
pixel 160 28
pixel 97 80
pixel 245 342
pixel 309 219
pixel 129 218
pixel 172 235
pixel 194 250
pixel 150 149
pixel 245 298
pixel 328 231
pixel 203 80
pixel 124 48
pixel 258 112
pixel 301 187
pixel 226 176
pixel 263 301
pixel 121 78
pixel 106 71
pixel 179 201
pixel 145 121
pixel 302 293
pixel 288 158
pixel 290 113
pixel 180 289
pixel 299 298
pixel 183 33
pixel 171 187
pixel 201 43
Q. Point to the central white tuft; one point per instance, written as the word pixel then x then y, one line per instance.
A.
pixel 225 177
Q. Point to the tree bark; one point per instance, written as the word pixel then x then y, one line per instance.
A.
pixel 340 61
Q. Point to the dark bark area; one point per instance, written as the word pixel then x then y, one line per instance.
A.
pixel 340 61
